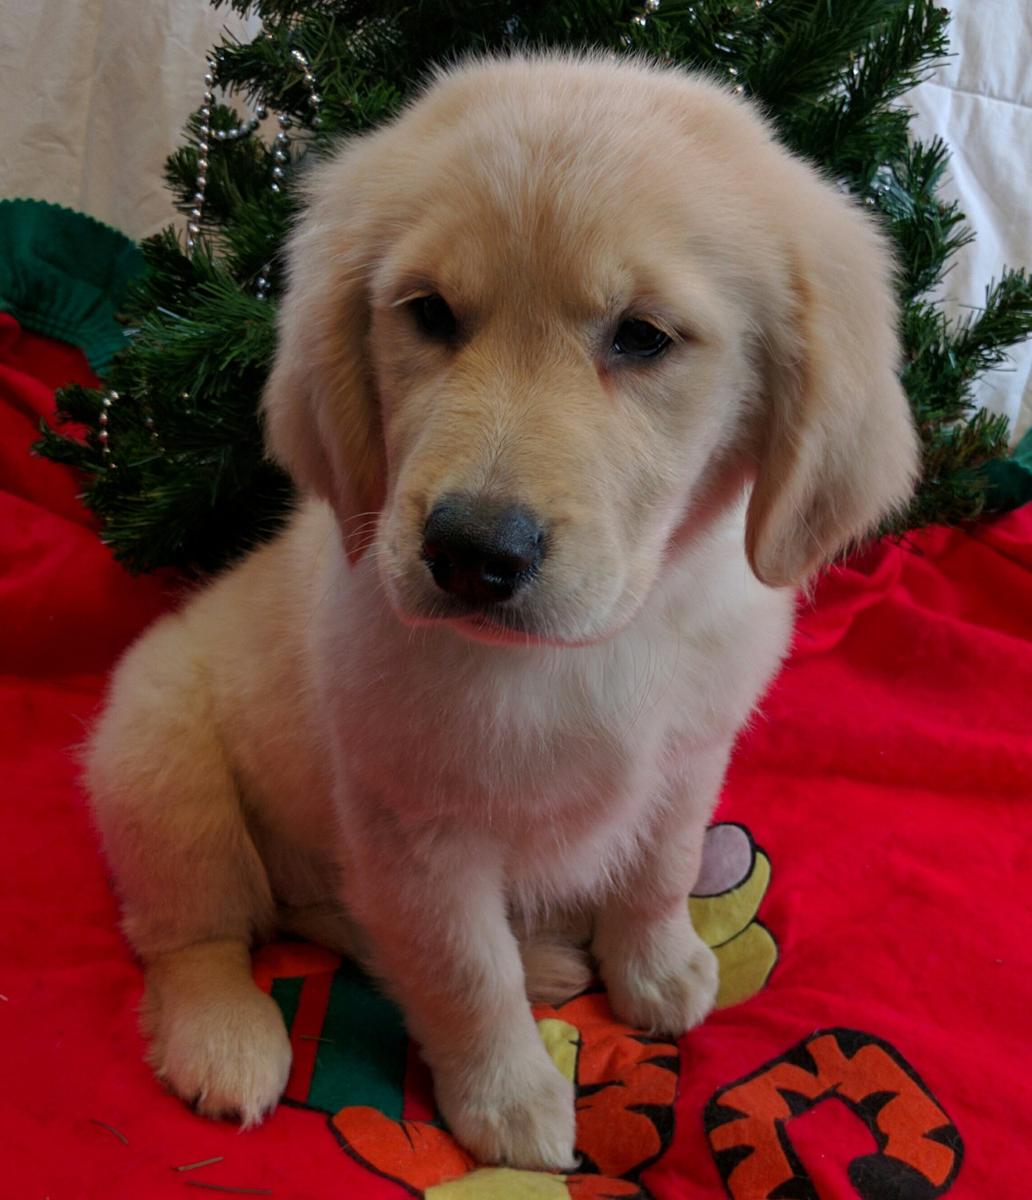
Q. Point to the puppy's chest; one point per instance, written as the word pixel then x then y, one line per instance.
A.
pixel 504 743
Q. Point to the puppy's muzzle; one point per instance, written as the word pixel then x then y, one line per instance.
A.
pixel 481 550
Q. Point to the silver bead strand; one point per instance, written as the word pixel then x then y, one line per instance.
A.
pixel 193 224
pixel 280 149
pixel 148 421
pixel 642 19
pixel 281 146
pixel 103 434
pixel 314 99
pixel 280 155
pixel 204 139
pixel 245 128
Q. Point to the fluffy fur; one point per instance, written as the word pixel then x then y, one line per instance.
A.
pixel 321 741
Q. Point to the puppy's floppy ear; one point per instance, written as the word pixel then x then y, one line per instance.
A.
pixel 837 450
pixel 319 406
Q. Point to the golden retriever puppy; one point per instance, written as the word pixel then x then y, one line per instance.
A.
pixel 580 373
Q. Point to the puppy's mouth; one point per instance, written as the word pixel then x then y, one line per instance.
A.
pixel 492 624
pixel 482 627
pixel 496 625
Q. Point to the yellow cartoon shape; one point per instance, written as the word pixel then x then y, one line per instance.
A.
pixel 734 879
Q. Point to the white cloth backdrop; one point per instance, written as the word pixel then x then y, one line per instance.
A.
pixel 94 93
pixel 980 103
pixel 93 97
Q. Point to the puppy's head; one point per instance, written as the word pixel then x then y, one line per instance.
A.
pixel 546 323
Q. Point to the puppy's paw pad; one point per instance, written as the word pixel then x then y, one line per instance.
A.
pixel 229 1060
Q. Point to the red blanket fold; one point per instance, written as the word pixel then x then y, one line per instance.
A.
pixel 887 780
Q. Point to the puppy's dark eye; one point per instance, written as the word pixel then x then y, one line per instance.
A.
pixel 639 339
pixel 434 317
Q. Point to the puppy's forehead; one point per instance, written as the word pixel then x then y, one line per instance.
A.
pixel 567 184
pixel 569 202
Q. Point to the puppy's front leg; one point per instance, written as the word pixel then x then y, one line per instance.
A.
pixel 659 973
pixel 434 912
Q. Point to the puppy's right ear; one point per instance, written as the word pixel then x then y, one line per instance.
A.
pixel 838 450
pixel 319 407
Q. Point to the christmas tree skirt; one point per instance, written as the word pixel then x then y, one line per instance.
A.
pixel 865 890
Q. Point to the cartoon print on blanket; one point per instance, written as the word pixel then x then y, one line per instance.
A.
pixel 918 1148
pixel 353 1061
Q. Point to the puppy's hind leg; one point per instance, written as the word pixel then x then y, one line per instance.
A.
pixel 556 963
pixel 555 970
pixel 194 891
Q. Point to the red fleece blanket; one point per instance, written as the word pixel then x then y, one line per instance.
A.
pixel 886 1056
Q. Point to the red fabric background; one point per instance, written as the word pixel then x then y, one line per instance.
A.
pixel 888 779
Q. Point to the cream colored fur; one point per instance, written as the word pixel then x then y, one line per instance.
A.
pixel 316 742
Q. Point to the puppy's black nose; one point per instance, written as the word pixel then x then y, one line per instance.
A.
pixel 479 550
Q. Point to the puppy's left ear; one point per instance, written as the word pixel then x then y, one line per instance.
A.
pixel 321 419
pixel 836 446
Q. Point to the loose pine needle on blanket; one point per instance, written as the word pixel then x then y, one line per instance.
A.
pixel 205 1162
pixel 111 1129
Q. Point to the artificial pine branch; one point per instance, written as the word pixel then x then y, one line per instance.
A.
pixel 927 231
pixel 184 482
pixel 1005 320
pixel 806 48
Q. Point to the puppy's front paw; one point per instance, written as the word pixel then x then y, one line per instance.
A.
pixel 518 1112
pixel 228 1057
pixel 667 986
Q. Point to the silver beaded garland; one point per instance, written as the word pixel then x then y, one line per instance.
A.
pixel 263 283
pixel 245 128
pixel 280 149
pixel 193 226
pixel 148 420
pixel 103 434
pixel 314 99
pixel 205 134
pixel 641 19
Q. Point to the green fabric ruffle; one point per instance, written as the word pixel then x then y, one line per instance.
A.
pixel 1011 478
pixel 65 275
